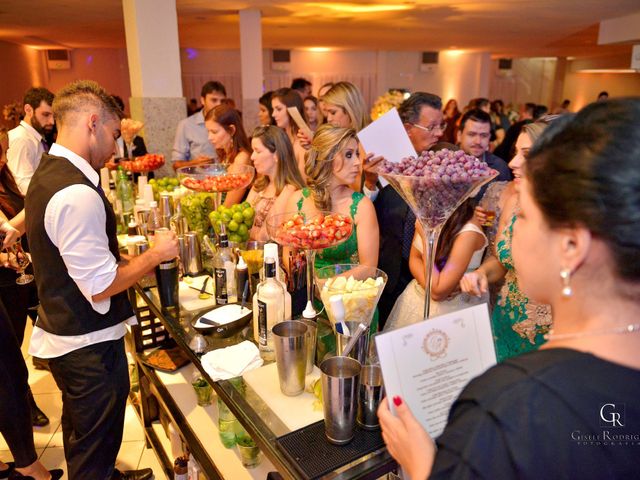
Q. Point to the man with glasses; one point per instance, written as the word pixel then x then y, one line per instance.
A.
pixel 474 136
pixel 422 117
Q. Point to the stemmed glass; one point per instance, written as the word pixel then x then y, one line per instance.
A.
pixel 310 234
pixel 433 199
pixel 23 261
pixel 216 178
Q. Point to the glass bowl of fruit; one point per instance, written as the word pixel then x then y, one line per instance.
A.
pixel 164 184
pixel 143 164
pixel 237 219
pixel 216 178
pixel 296 230
pixel 359 286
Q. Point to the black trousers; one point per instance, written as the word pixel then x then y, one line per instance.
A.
pixel 95 383
pixel 15 413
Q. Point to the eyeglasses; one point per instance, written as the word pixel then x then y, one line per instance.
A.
pixel 442 127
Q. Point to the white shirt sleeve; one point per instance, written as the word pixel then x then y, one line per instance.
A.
pixel 371 194
pixel 22 159
pixel 75 222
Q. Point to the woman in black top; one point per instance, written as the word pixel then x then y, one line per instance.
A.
pixel 571 409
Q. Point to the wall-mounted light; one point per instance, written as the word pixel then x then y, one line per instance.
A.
pixel 360 8
pixel 318 49
pixel 608 70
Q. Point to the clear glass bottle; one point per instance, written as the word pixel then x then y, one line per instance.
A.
pixel 224 272
pixel 271 250
pixel 154 221
pixel 269 299
pixel 178 220
pixel 124 190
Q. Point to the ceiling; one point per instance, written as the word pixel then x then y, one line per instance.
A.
pixel 512 28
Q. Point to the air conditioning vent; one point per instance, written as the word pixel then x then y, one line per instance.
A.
pixel 58 59
pixel 505 63
pixel 281 60
pixel 429 61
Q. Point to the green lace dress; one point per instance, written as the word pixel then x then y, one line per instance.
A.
pixel 346 252
pixel 518 324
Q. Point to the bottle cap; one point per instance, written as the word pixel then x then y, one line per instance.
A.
pixel 309 312
pixel 241 263
pixel 153 204
pixel 271 250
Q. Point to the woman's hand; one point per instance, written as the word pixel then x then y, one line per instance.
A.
pixel 305 142
pixel 474 283
pixel 11 234
pixel 408 443
pixel 479 216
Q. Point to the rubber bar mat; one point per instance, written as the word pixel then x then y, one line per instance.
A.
pixel 312 454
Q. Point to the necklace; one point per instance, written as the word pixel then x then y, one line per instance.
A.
pixel 631 328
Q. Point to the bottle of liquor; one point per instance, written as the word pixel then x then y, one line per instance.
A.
pixel 124 190
pixel 271 250
pixel 178 220
pixel 154 221
pixel 224 272
pixel 270 309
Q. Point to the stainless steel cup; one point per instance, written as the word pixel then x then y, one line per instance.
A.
pixel 360 349
pixel 166 209
pixel 312 332
pixel 340 397
pixel 370 394
pixel 182 248
pixel 193 260
pixel 290 342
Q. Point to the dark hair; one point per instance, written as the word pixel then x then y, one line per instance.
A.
pixel 300 83
pixel 479 103
pixel 119 101
pixel 290 98
pixel 475 115
pixel 539 111
pixel 529 107
pixel 565 103
pixel 36 95
pixel 452 226
pixel 228 117
pixel 410 109
pixel 7 183
pixel 497 106
pixel 265 101
pixel 584 171
pixel 213 86
pixel 603 93
pixel 80 94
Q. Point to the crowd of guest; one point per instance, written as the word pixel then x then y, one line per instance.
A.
pixel 487 251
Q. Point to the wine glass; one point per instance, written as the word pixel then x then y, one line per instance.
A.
pixel 23 261
pixel 216 178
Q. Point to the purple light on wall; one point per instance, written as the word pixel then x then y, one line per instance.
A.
pixel 89 59
pixel 191 53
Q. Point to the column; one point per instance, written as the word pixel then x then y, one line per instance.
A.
pixel 251 69
pixel 151 28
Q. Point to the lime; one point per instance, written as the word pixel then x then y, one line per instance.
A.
pixel 174 181
pixel 243 230
pixel 238 217
pixel 248 222
pixel 222 208
pixel 233 225
pixel 245 205
pixel 226 218
pixel 248 213
pixel 152 181
pixel 236 208
pixel 235 238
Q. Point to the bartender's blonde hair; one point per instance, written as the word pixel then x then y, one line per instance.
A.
pixel 327 143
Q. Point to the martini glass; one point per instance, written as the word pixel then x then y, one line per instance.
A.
pixel 433 199
pixel 359 285
pixel 23 261
pixel 216 178
pixel 309 233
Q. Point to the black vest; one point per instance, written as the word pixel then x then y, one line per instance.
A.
pixel 64 310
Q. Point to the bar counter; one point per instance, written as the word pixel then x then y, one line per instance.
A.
pixel 198 425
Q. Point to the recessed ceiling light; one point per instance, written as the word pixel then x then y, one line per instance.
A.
pixel 608 70
pixel 360 8
pixel 319 49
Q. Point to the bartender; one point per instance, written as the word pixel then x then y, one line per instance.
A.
pixel 82 281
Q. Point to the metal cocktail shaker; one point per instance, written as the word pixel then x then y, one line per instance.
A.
pixel 167 274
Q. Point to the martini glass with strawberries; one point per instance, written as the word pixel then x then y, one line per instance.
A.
pixel 216 178
pixel 309 233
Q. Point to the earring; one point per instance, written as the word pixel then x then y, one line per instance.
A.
pixel 565 275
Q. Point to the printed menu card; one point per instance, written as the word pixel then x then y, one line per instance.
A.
pixel 429 363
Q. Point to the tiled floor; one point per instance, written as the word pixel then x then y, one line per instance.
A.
pixel 48 440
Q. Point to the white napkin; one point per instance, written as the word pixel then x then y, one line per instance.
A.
pixel 233 361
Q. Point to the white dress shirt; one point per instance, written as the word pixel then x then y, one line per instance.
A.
pixel 24 153
pixel 74 220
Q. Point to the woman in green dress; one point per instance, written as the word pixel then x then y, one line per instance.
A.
pixel 518 323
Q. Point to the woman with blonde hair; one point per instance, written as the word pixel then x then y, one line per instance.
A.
pixel 333 164
pixel 346 107
pixel 278 176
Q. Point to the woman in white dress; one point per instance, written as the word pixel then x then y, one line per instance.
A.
pixel 460 249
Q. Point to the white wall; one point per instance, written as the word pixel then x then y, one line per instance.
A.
pixel 529 80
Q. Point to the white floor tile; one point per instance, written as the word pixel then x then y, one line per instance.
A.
pixel 51 405
pixel 129 455
pixel 54 458
pixel 5 456
pixel 150 460
pixel 133 430
pixel 41 381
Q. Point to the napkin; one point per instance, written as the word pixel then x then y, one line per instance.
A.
pixel 231 362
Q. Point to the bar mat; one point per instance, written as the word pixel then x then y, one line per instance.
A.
pixel 312 454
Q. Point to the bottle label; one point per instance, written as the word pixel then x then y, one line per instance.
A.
pixel 222 297
pixel 262 323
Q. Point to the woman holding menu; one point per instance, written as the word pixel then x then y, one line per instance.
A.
pixel 569 410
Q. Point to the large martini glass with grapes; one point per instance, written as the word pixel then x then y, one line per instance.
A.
pixel 434 184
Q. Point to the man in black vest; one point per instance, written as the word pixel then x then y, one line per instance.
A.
pixel 422 117
pixel 82 281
